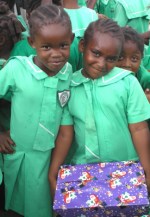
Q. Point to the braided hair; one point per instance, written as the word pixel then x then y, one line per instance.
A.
pixel 9 2
pixel 57 2
pixel 31 5
pixel 104 26
pixel 132 35
pixel 10 26
pixel 48 14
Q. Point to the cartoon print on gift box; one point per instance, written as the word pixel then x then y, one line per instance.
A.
pixel 117 174
pixel 125 163
pixel 113 183
pixel 64 171
pixel 85 178
pixel 69 194
pixel 138 181
pixel 114 178
pixel 94 201
pixel 125 199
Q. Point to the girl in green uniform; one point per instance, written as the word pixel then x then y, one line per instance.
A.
pixel 23 48
pixel 39 91
pixel 105 7
pixel 108 106
pixel 131 57
pixel 80 17
pixel 127 13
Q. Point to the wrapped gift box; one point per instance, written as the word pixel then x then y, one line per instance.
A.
pixel 114 189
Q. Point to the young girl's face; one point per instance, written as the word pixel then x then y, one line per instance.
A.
pixel 52 43
pixel 130 58
pixel 100 55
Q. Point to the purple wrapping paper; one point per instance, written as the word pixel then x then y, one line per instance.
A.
pixel 115 189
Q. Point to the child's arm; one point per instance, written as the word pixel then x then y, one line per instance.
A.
pixel 141 140
pixel 147 93
pixel 59 153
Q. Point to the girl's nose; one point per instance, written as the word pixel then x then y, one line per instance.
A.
pixel 101 62
pixel 127 63
pixel 55 53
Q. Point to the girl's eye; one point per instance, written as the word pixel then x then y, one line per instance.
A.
pixel 64 46
pixel 120 58
pixel 111 59
pixel 96 53
pixel 46 47
pixel 135 58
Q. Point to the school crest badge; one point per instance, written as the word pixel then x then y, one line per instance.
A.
pixel 63 97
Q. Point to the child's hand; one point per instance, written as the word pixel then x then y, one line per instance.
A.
pixel 147 93
pixel 6 143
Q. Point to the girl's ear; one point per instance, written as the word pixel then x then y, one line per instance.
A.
pixel 31 42
pixel 81 45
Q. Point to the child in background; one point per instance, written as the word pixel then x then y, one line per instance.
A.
pixel 131 57
pixel 23 48
pixel 107 104
pixel 146 58
pixel 105 7
pixel 124 12
pixel 38 86
pixel 10 33
pixel 11 29
pixel 80 17
pixel 127 13
pixel 11 4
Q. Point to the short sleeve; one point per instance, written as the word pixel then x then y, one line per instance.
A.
pixel 143 77
pixel 138 107
pixel 66 117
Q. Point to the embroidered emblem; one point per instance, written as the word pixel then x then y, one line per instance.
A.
pixel 63 97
